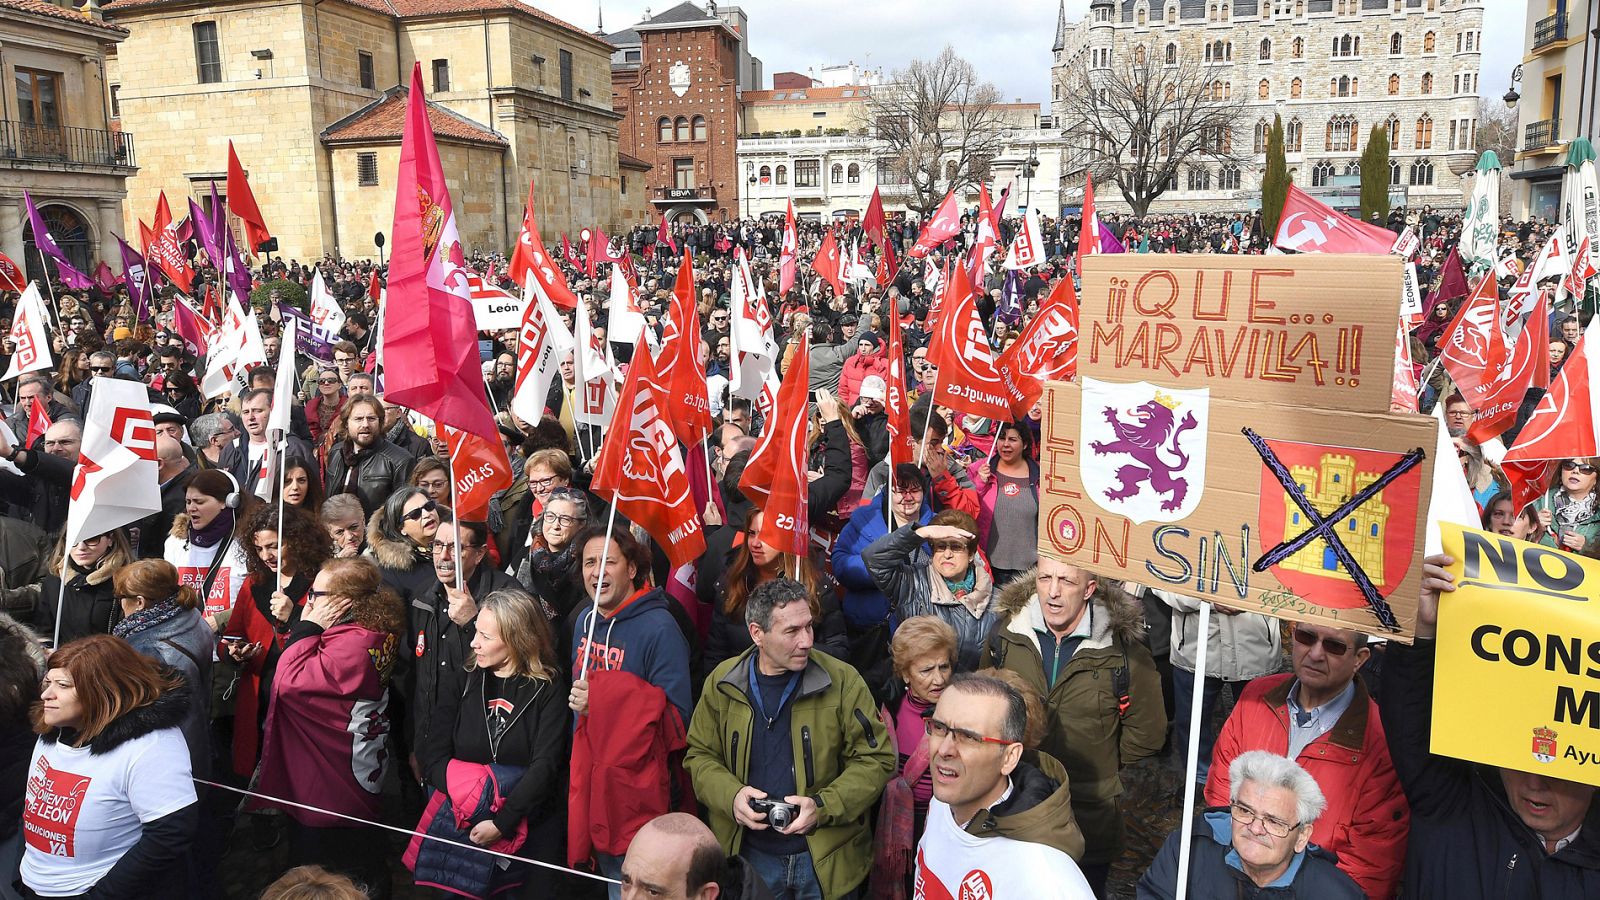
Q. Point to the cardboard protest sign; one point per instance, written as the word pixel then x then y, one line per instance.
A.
pixel 1295 513
pixel 1310 329
pixel 1517 682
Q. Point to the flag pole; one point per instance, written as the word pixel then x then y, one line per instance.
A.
pixel 1191 769
pixel 455 514
pixel 283 442
pixel 611 521
pixel 61 596
pixel 922 451
pixel 44 268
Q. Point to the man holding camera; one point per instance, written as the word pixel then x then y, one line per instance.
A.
pixel 787 752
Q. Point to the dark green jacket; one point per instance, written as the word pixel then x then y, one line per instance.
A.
pixel 1086 731
pixel 842 760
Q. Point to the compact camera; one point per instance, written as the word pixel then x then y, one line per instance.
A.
pixel 779 814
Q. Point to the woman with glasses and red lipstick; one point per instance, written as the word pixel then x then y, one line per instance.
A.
pixel 1569 512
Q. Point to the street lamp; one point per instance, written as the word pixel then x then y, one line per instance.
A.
pixel 749 170
pixel 1511 96
pixel 1028 168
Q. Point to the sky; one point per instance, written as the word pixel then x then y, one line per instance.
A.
pixel 1012 50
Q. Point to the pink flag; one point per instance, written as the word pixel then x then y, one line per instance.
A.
pixel 788 254
pixel 430 341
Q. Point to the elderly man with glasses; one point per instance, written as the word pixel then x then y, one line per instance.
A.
pixel 1259 844
pixel 1321 716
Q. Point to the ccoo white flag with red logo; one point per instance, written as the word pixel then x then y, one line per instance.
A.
pixel 325 311
pixel 542 344
pixel 115 482
pixel 1027 249
pixel 28 335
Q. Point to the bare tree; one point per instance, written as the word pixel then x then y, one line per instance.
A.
pixel 937 127
pixel 1139 122
pixel 1497 131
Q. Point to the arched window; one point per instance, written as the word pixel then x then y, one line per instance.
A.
pixel 1424 133
pixel 699 128
pixel 1141 15
pixel 836 174
pixel 1427 42
pixel 1299 47
pixel 1427 82
pixel 854 173
pixel 1355 87
pixel 1394 84
pixel 1227 11
pixel 1138 55
pixel 1394 173
pixel 1341 134
pixel 1321 174
pixel 783 174
pixel 1352 167
pixel 1421 173
pixel 1266 48
pixel 1292 134
pixel 1172 14
pixel 665 127
pixel 680 127
pixel 1294 176
pixel 766 174
pixel 1396 44
pixel 1199 178
pixel 1392 127
pixel 1228 178
pixel 1264 89
pixel 1263 133
pixel 1172 54
pixel 1294 89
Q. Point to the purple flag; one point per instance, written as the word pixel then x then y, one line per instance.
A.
pixel 1010 308
pixel 46 244
pixel 136 277
pixel 205 231
pixel 229 260
pixel 309 339
pixel 1109 242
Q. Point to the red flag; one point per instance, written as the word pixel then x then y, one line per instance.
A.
pixel 664 236
pixel 479 467
pixel 375 286
pixel 598 251
pixel 11 277
pixel 984 238
pixel 166 252
pixel 38 422
pixel 530 258
pixel 1563 424
pixel 1529 480
pixel 896 403
pixel 1047 350
pixel 211 308
pixel 887 268
pixel 1582 269
pixel 194 330
pixel 967 378
pixel 242 203
pixel 1452 282
pixel 788 254
pixel 1310 226
pixel 776 471
pixel 1474 351
pixel 1089 226
pixel 1403 388
pixel 826 263
pixel 566 250
pixel 945 224
pixel 641 471
pixel 430 340
pixel 873 224
pixel 683 377
pixel 1496 401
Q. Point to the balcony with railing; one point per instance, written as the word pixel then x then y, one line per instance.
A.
pixel 1541 134
pixel 56 146
pixel 1549 30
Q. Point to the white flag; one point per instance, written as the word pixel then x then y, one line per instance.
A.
pixel 751 347
pixel 1452 497
pixel 231 351
pixel 594 387
pixel 1027 248
pixel 115 482
pixel 284 391
pixel 624 321
pixel 541 345
pixel 325 311
pixel 29 338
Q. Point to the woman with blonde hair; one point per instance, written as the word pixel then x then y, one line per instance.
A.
pixel 88 605
pixel 501 733
pixel 161 619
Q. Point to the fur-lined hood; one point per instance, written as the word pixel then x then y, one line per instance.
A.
pixel 396 555
pixel 26 639
pixel 1115 614
pixel 169 710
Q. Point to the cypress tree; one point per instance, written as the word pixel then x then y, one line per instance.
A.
pixel 1375 175
pixel 1275 182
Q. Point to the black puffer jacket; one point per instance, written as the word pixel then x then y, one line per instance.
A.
pixel 1315 876
pixel 440 645
pixel 381 470
pixel 87 607
pixel 1466 841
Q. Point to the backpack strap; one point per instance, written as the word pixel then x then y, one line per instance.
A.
pixel 1121 683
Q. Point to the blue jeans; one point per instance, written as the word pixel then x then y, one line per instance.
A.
pixel 1183 694
pixel 788 877
pixel 611 867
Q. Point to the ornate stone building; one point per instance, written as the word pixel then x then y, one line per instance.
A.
pixel 57 139
pixel 1330 68
pixel 310 92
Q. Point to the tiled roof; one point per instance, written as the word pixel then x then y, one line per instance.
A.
pixel 682 13
pixel 40 7
pixel 631 162
pixel 385 120
pixel 403 9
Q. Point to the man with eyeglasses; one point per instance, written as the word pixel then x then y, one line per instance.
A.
pixel 1080 644
pixel 1259 844
pixel 42 491
pixel 779 723
pixel 998 826
pixel 1321 716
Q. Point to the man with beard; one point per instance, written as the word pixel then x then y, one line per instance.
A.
pixel 503 382
pixel 366 463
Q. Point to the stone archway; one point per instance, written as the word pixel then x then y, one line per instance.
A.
pixel 72 233
pixel 691 215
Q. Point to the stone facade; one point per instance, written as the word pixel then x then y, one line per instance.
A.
pixel 1327 67
pixel 289 69
pixel 57 138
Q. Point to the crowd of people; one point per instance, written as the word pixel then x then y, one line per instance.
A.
pixel 307 644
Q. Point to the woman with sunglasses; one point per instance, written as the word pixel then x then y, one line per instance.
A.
pixel 325 407
pixel 282 564
pixel 182 393
pixel 954 583
pixel 400 538
pixel 88 606
pixel 1569 512
pixel 330 704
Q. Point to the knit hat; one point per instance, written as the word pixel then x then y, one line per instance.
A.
pixel 871 336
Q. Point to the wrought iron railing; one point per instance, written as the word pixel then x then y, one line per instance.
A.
pixel 1549 30
pixel 1541 134
pixel 62 145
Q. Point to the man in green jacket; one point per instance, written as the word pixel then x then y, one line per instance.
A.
pixel 783 723
pixel 1077 641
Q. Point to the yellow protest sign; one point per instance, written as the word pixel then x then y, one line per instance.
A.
pixel 1517 679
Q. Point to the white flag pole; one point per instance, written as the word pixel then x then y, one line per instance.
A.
pixel 282 443
pixel 61 597
pixel 1196 705
pixel 455 528
pixel 611 521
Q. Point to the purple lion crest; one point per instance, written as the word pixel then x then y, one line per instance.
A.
pixel 1155 431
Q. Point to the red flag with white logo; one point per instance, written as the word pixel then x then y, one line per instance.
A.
pixel 944 225
pixel 1404 390
pixel 641 472
pixel 11 277
pixel 683 376
pixel 1047 350
pixel 38 421
pixel 191 326
pixel 1089 225
pixel 479 468
pixel 788 254
pixel 115 482
pixel 984 240
pixel 1496 401
pixel 1563 424
pixel 1310 226
pixel 165 251
pixel 826 263
pixel 1582 269
pixel 664 234
pixel 967 378
pixel 542 343
pixel 873 224
pixel 529 258
pixel 896 404
pixel 775 476
pixel 1474 351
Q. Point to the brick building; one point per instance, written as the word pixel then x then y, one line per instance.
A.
pixel 677 79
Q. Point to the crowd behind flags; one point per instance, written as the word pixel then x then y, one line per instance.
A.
pixel 633 411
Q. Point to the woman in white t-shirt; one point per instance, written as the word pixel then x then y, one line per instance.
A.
pixel 110 805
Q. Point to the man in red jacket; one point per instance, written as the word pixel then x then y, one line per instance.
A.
pixel 1322 717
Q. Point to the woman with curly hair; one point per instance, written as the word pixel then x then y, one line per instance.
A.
pixel 281 566
pixel 330 703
